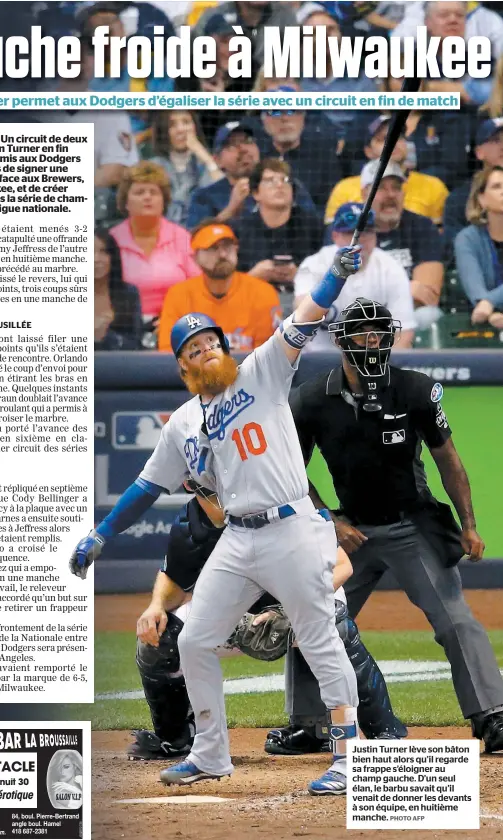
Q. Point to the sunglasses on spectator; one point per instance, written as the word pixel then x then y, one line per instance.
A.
pixel 279 113
pixel 276 180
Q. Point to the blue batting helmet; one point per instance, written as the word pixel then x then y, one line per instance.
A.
pixel 190 325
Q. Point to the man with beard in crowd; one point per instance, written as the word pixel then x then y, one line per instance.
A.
pixel 247 308
pixel 311 151
pixel 237 154
pixel 412 240
pixel 423 194
pixel 380 276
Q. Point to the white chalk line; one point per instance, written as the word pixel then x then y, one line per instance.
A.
pixel 189 799
pixel 395 670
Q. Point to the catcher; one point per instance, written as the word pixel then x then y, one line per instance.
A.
pixel 264 633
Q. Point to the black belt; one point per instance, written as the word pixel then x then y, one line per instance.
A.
pixel 258 520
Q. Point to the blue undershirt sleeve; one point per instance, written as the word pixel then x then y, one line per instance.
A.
pixel 138 498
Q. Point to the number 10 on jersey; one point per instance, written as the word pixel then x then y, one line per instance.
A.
pixel 250 440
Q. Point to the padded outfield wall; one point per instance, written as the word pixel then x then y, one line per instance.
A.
pixel 475 414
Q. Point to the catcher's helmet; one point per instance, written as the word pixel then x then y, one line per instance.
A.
pixel 355 320
pixel 190 325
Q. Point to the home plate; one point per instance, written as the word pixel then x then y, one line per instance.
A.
pixel 188 799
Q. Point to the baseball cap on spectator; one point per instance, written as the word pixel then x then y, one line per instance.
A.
pixel 308 9
pixel 225 131
pixel 218 24
pixel 487 130
pixel 369 171
pixel 375 125
pixel 347 216
pixel 208 235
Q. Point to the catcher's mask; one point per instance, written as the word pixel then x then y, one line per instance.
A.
pixel 365 331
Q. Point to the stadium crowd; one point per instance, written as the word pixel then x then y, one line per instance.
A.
pixel 237 214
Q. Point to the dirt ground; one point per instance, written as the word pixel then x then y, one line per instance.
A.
pixel 387 610
pixel 267 795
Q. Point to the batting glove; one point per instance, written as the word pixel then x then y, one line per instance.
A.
pixel 88 550
pixel 347 261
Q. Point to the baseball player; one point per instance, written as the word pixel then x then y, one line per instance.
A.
pixel 237 437
pixel 192 538
pixel 379 416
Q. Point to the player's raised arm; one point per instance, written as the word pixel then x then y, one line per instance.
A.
pixel 301 327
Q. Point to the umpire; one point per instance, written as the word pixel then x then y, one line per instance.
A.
pixel 369 420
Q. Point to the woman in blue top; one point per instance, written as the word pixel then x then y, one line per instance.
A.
pixel 479 248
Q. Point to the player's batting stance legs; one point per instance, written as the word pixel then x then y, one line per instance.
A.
pixel 191 540
pixel 221 596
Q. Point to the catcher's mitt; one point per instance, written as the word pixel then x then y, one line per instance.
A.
pixel 268 640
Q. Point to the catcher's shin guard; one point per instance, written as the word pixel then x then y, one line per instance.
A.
pixel 303 702
pixel 164 687
pixel 148 747
pixel 305 709
pixel 375 713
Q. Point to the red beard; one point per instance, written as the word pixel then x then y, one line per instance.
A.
pixel 213 379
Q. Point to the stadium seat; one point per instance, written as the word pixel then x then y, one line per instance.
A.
pixel 453 298
pixel 455 330
pixel 106 213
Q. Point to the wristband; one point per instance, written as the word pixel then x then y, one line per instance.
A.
pixel 328 290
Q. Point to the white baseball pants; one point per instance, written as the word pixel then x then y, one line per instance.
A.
pixel 292 559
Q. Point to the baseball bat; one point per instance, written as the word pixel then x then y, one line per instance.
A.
pixel 395 129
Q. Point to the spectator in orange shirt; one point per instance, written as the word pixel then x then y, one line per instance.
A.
pixel 247 309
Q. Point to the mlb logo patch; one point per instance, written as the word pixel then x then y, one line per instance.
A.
pixel 138 429
pixel 394 437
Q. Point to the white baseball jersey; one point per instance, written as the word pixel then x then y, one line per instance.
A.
pixel 246 441
pixel 178 455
